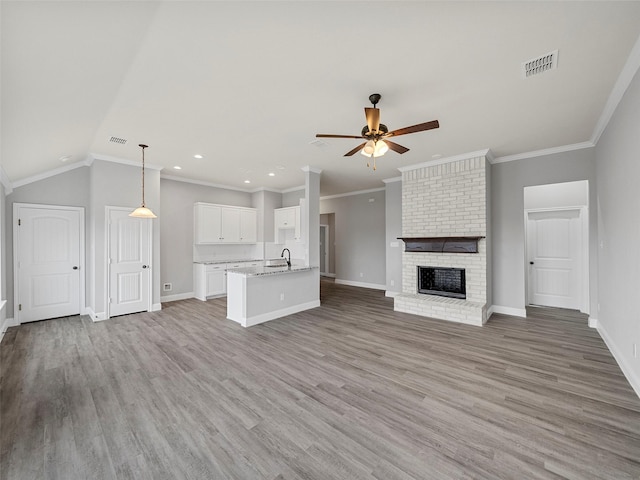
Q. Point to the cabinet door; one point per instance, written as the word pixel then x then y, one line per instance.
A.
pixel 285 217
pixel 216 284
pixel 297 222
pixel 230 225
pixel 248 226
pixel 207 224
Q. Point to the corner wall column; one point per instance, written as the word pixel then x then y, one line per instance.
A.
pixel 311 215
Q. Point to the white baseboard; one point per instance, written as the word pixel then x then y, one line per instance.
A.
pixel 389 293
pixel 96 317
pixel 156 307
pixel 628 372
pixel 330 275
pixel 351 283
pixel 515 312
pixel 177 296
pixel 593 322
pixel 265 317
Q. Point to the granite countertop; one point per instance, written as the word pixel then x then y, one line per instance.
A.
pixel 217 262
pixel 260 271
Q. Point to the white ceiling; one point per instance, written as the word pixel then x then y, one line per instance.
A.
pixel 249 84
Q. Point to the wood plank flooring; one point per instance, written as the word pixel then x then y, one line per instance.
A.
pixel 350 390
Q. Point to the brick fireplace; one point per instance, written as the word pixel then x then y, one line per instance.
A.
pixel 448 199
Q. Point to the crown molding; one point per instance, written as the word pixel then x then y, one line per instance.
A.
pixel 50 173
pixel 309 168
pixel 543 152
pixel 293 189
pixel 441 161
pixel 391 180
pixel 6 183
pixel 265 189
pixel 631 67
pixel 205 184
pixel 348 194
pixel 122 161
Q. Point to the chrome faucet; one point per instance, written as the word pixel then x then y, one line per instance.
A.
pixel 287 259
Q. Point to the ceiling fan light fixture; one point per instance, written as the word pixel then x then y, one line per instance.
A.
pixel 369 148
pixel 381 148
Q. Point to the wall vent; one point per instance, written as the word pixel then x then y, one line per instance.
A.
pixel 119 140
pixel 535 66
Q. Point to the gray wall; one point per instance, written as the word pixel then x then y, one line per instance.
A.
pixel 360 236
pixel 507 216
pixel 266 202
pixel 176 231
pixel 393 225
pixel 618 168
pixel 69 188
pixel 3 247
pixel 118 185
pixel 292 199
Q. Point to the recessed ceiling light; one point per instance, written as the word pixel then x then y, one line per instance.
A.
pixel 437 155
pixel 177 167
pixel 271 174
pixel 64 158
pixel 247 181
pixel 198 156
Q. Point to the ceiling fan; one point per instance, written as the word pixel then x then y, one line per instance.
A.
pixel 377 134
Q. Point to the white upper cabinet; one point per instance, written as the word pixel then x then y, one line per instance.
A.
pixel 248 225
pixel 224 224
pixel 287 218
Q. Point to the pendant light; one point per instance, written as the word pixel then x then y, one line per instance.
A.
pixel 142 211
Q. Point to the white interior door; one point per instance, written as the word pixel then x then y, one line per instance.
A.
pixel 129 262
pixel 555 252
pixel 48 242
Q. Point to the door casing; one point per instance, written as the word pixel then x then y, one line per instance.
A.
pixel 149 300
pixel 584 259
pixel 16 253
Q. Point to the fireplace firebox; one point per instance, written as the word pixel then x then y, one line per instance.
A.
pixel 442 281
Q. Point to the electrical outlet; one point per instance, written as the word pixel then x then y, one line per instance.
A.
pixel 361 274
pixel 167 287
pixel 281 296
pixel 393 282
pixel 635 350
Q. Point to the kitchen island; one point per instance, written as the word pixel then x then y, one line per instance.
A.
pixel 259 294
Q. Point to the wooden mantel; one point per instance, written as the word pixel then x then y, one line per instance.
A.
pixel 441 244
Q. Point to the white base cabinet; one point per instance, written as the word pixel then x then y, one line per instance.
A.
pixel 210 280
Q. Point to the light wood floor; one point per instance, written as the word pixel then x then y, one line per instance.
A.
pixel 351 390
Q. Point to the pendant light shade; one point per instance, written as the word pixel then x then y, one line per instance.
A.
pixel 142 211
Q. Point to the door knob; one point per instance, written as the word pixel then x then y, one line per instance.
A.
pixel 75 267
pixel 145 266
pixel 530 263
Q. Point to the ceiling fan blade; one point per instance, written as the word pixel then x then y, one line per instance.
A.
pixel 373 118
pixel 415 128
pixel 327 135
pixel 351 152
pixel 395 147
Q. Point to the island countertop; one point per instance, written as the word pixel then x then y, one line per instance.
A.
pixel 260 271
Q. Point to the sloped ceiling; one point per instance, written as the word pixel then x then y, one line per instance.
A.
pixel 249 84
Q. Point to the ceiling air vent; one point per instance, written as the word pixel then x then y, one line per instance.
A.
pixel 119 140
pixel 548 61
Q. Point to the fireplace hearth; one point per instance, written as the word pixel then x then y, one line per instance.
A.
pixel 442 281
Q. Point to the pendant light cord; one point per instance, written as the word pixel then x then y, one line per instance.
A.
pixel 143 147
